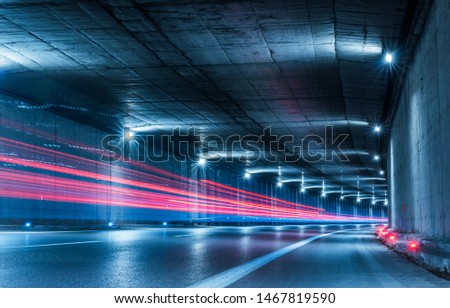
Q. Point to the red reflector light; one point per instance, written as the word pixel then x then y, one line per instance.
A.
pixel 413 245
pixel 392 237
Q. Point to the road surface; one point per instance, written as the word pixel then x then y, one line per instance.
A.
pixel 261 256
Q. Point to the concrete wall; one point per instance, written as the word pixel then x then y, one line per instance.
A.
pixel 419 149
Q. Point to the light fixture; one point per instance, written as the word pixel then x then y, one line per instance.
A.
pixel 247 175
pixel 388 58
pixel 28 224
pixel 202 161
pixel 373 195
pixel 302 189
pixel 392 237
pixel 324 194
pixel 381 172
pixel 128 133
pixel 164 224
pixel 279 184
pixel 376 157
pixel 377 129
pixel 342 197
pixel 413 245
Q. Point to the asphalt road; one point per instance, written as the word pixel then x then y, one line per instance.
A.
pixel 267 256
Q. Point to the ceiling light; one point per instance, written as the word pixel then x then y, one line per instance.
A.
pixel 324 194
pixel 202 161
pixel 342 198
pixel 247 175
pixel 279 184
pixel 128 134
pixel 376 157
pixel 388 58
pixel 303 189
pixel 377 129
pixel 381 172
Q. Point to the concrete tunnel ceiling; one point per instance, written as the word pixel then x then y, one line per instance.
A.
pixel 224 68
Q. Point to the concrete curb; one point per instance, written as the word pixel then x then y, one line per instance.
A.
pixel 429 253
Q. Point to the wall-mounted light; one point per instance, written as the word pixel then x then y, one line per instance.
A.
pixel 324 192
pixel 128 134
pixel 302 185
pixel 377 129
pixel 201 161
pixel 388 57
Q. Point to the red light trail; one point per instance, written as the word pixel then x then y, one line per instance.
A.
pixel 36 173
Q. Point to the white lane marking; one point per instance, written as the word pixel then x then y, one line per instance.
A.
pixel 230 276
pixel 246 230
pixel 197 233
pixel 49 245
pixel 47 232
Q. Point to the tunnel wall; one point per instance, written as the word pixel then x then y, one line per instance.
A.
pixel 419 168
pixel 52 172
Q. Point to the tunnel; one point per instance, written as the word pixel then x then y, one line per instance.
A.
pixel 261 144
